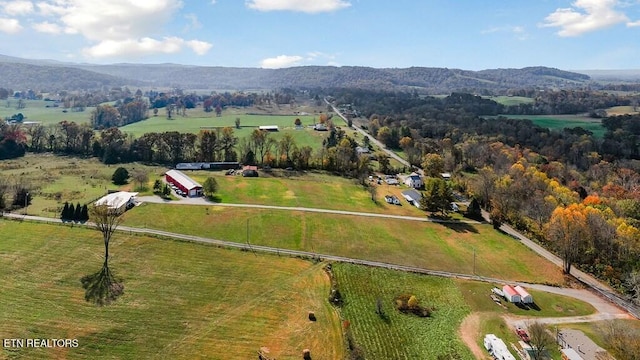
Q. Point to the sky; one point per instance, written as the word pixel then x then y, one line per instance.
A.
pixel 463 34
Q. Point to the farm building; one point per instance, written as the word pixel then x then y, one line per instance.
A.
pixel 184 183
pixel 119 201
pixel 269 127
pixel 496 347
pixel 250 171
pixel 414 180
pixel 413 197
pixel 220 165
pixel 525 297
pixel 511 294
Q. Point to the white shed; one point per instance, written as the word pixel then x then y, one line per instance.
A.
pixel 511 294
pixel 118 201
pixel 524 295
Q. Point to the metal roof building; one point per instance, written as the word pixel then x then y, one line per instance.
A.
pixel 184 183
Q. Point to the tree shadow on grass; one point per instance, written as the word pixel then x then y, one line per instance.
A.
pixel 102 288
pixel 460 227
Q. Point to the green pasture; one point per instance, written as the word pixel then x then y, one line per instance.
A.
pixel 401 336
pixel 181 300
pixel 559 122
pixel 477 295
pixel 37 111
pixel 53 180
pixel 511 100
pixel 305 189
pixel 448 247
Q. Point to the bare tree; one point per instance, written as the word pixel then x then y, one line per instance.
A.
pixel 103 287
pixel 540 338
pixel 140 177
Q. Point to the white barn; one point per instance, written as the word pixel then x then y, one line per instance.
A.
pixel 525 297
pixel 511 294
pixel 118 201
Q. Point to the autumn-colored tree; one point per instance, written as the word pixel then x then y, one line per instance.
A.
pixel 567 230
pixel 433 165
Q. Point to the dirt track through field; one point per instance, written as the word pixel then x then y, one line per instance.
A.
pixel 470 331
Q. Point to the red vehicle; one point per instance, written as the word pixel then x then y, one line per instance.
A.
pixel 523 335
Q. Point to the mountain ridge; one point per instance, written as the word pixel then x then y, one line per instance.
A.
pixel 52 75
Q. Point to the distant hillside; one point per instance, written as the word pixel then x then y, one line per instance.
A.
pixel 22 76
pixel 39 74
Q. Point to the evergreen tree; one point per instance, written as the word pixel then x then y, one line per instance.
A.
pixel 77 215
pixel 64 215
pixel 84 214
pixel 71 213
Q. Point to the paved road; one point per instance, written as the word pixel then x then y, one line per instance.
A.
pixel 204 202
pixel 371 138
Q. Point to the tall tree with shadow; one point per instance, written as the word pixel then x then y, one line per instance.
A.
pixel 102 287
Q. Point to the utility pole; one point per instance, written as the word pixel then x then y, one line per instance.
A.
pixel 26 203
pixel 474 261
pixel 249 244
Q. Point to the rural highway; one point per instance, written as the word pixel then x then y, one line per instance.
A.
pixel 371 139
pixel 605 309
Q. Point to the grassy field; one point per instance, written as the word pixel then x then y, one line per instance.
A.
pixel 37 110
pixel 559 122
pixel 430 245
pixel 511 100
pixel 52 180
pixel 401 336
pixel 181 300
pixel 309 189
pixel 476 294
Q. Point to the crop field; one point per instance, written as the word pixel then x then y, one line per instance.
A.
pixel 559 122
pixel 401 336
pixel 449 247
pixel 37 110
pixel 53 180
pixel 621 110
pixel 181 300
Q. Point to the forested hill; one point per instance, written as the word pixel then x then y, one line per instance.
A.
pixel 18 74
pixel 21 76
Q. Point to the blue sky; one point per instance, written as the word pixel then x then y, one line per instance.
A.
pixel 465 34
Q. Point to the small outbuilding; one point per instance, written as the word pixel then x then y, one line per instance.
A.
pixel 187 185
pixel 525 297
pixel 273 128
pixel 413 197
pixel 511 294
pixel 118 201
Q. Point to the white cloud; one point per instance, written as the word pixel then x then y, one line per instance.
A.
pixel 132 48
pixel 47 27
pixel 585 16
pixel 634 23
pixel 281 61
pixel 9 26
pixel 519 32
pixel 128 28
pixel 17 7
pixel 307 6
pixel 199 47
pixel 194 23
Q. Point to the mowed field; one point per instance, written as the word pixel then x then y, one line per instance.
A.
pixel 448 247
pixel 306 189
pixel 37 111
pixel 559 122
pixel 181 300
